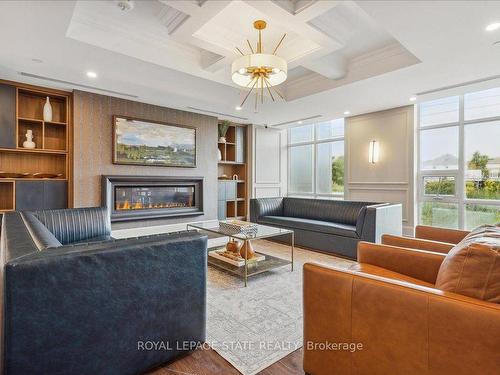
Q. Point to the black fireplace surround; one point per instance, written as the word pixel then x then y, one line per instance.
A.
pixel 150 197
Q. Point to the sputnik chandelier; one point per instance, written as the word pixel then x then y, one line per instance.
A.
pixel 259 71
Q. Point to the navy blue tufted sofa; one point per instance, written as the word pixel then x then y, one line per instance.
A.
pixel 77 301
pixel 329 225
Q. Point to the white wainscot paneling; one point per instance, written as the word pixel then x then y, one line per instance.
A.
pixel 267 192
pixel 267 156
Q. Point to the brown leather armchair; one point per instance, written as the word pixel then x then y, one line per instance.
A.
pixel 435 239
pixel 384 316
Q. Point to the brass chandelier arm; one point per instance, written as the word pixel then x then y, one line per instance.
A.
pixel 269 90
pixel 237 49
pixel 262 90
pixel 279 44
pixel 256 97
pixel 249 45
pixel 259 44
pixel 249 83
pixel 276 91
pixel 249 92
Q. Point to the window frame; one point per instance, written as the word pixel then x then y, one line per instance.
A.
pixel 460 197
pixel 314 142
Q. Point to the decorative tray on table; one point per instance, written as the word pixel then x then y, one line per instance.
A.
pixel 234 258
pixel 238 226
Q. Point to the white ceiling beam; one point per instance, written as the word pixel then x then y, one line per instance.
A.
pixel 298 22
pixel 198 16
pixel 315 9
pixel 333 66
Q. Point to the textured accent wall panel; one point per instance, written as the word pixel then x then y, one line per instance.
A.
pixel 93 129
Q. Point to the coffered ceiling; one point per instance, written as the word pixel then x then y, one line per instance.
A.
pixel 336 42
pixel 355 56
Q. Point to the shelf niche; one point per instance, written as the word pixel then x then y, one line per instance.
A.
pixel 27 162
pixel 6 195
pixel 30 105
pixel 54 136
pixel 35 126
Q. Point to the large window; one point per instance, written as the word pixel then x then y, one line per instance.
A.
pixel 459 160
pixel 316 160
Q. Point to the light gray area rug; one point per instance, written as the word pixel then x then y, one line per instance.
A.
pixel 254 327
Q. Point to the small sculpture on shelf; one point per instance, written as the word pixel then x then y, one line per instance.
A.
pixel 47 110
pixel 223 127
pixel 28 143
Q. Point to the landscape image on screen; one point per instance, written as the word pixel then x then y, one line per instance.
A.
pixel 146 143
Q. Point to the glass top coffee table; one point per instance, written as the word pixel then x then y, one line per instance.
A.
pixel 250 267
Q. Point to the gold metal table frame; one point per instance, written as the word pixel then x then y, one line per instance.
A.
pixel 263 232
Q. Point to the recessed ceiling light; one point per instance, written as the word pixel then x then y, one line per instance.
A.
pixel 91 74
pixel 299 122
pixel 347 113
pixel 238 108
pixel 413 98
pixel 493 26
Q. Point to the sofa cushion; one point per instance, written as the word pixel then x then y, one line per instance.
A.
pixel 76 224
pixel 472 267
pixel 343 212
pixel 311 225
pixel 383 272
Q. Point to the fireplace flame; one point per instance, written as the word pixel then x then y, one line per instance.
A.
pixel 126 205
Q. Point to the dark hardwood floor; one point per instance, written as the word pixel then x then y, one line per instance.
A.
pixel 208 362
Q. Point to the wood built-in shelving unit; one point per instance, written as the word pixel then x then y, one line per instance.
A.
pixel 7 193
pixel 52 154
pixel 234 203
pixel 50 135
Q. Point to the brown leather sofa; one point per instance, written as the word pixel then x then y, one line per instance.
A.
pixel 384 316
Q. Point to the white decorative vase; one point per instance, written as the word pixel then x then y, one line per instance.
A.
pixel 28 143
pixel 222 139
pixel 47 110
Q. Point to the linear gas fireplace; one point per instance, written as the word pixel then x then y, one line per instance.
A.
pixel 141 197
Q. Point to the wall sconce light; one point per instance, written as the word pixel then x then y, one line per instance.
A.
pixel 374 152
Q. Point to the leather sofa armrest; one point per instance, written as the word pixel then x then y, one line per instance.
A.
pixel 265 207
pixel 42 237
pixel 419 264
pixel 416 243
pixel 402 328
pixel 453 236
pixel 379 219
